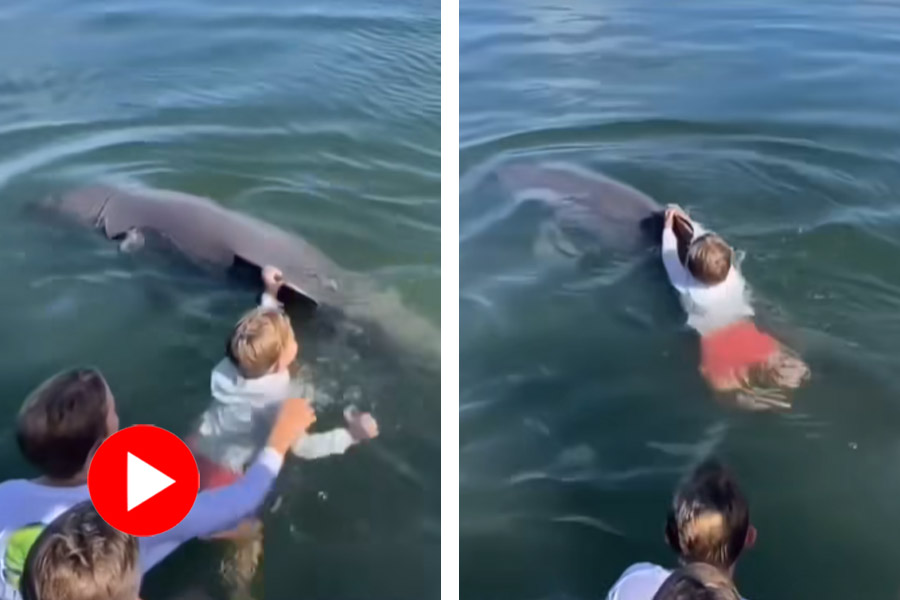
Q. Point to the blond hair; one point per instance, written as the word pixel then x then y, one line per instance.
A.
pixel 258 341
pixel 79 557
pixel 709 259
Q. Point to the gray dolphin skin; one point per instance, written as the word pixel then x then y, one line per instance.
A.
pixel 214 236
pixel 617 214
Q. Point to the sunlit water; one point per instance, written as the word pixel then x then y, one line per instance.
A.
pixel 322 118
pixel 775 124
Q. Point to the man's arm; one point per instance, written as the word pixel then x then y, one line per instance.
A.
pixel 221 509
pixel 217 510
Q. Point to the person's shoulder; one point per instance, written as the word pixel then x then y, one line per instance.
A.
pixel 15 494
pixel 14 488
pixel 21 490
pixel 640 580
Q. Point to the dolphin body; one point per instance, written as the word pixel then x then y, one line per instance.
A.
pixel 616 215
pixel 213 236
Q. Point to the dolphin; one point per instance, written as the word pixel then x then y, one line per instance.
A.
pixel 211 235
pixel 616 215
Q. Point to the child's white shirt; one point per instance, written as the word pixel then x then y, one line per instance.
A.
pixel 709 307
pixel 235 427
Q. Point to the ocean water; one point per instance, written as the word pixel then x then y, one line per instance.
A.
pixel 775 124
pixel 318 117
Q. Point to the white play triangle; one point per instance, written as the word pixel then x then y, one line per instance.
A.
pixel 143 481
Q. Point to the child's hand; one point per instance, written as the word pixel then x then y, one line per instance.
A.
pixel 273 279
pixel 672 211
pixel 294 418
pixel 362 426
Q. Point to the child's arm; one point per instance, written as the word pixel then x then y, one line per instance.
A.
pixel 678 275
pixel 222 508
pixel 320 445
pixel 360 427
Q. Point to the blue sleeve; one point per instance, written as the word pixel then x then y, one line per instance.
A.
pixel 216 510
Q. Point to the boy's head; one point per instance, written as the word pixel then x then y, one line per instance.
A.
pixel 64 420
pixel 697 581
pixel 709 520
pixel 262 342
pixel 79 557
pixel 709 259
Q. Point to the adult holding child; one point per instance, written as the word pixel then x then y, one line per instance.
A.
pixel 59 428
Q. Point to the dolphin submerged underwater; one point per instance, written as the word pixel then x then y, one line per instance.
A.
pixel 615 214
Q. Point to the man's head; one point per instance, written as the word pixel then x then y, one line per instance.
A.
pixel 64 420
pixel 79 557
pixel 709 259
pixel 262 342
pixel 697 581
pixel 709 520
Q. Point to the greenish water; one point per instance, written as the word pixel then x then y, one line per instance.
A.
pixel 581 407
pixel 322 118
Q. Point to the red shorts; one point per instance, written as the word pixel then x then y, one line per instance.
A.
pixel 212 474
pixel 733 349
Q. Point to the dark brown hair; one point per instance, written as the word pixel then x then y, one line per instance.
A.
pixel 709 259
pixel 63 420
pixel 80 557
pixel 709 518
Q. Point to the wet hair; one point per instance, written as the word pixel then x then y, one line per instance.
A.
pixel 63 420
pixel 697 581
pixel 709 518
pixel 709 259
pixel 258 340
pixel 80 557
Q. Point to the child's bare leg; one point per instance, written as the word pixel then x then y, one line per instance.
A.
pixel 786 370
pixel 246 530
pixel 240 566
pixel 724 383
pixel 738 386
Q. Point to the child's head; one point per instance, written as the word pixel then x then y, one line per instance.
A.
pixel 79 557
pixel 709 520
pixel 262 342
pixel 709 259
pixel 697 581
pixel 64 420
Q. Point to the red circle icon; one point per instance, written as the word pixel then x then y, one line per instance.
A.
pixel 143 480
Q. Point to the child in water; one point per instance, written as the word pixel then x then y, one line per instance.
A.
pixel 734 354
pixel 249 385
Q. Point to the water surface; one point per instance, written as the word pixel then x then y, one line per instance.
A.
pixel 321 118
pixel 775 124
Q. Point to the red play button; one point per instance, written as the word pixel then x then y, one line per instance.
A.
pixel 143 480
